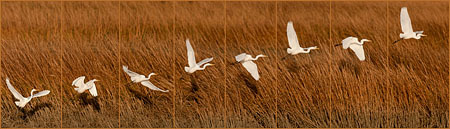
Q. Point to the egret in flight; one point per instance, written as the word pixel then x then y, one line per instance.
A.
pixel 407 29
pixel 293 42
pixel 22 100
pixel 81 86
pixel 193 66
pixel 247 61
pixel 355 45
pixel 138 78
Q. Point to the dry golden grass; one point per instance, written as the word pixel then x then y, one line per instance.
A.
pixel 46 46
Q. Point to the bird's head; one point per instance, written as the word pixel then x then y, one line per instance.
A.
pixel 33 90
pixel 95 80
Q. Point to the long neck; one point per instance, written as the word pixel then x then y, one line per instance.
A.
pixel 204 66
pixel 361 42
pixel 256 57
pixel 417 36
pixel 148 77
pixel 31 94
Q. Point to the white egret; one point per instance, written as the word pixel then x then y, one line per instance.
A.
pixel 81 86
pixel 193 66
pixel 138 78
pixel 407 29
pixel 247 61
pixel 355 45
pixel 293 42
pixel 22 100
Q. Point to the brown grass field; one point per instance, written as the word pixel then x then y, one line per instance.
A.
pixel 46 45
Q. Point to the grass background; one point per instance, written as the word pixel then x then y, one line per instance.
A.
pixel 46 45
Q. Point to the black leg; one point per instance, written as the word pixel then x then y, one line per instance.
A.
pixel 397 41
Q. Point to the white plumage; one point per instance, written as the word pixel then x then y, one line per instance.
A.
pixel 356 46
pixel 22 100
pixel 193 66
pixel 293 41
pixel 247 61
pixel 138 78
pixel 81 86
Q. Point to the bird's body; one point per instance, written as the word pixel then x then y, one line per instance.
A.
pixel 407 29
pixel 138 78
pixel 247 61
pixel 81 86
pixel 22 100
pixel 193 66
pixel 356 46
pixel 293 42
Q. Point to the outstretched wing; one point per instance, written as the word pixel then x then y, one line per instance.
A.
pixel 240 57
pixel 16 94
pixel 79 81
pixel 190 54
pixel 151 86
pixel 42 93
pixel 204 61
pixel 347 41
pixel 405 21
pixel 292 36
pixel 359 51
pixel 130 73
pixel 93 89
pixel 252 69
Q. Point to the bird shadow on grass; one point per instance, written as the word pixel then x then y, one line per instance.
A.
pixel 349 66
pixel 250 83
pixel 29 113
pixel 139 96
pixel 85 101
pixel 194 84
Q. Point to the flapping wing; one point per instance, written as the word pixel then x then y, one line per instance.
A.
pixel 79 81
pixel 204 61
pixel 240 57
pixel 359 51
pixel 190 54
pixel 42 93
pixel 129 72
pixel 151 86
pixel 252 69
pixel 292 36
pixel 347 41
pixel 405 21
pixel 16 94
pixel 93 90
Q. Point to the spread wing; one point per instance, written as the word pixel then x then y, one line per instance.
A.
pixel 347 41
pixel 16 94
pixel 405 21
pixel 240 57
pixel 190 54
pixel 93 90
pixel 204 61
pixel 130 73
pixel 252 69
pixel 79 82
pixel 359 51
pixel 151 86
pixel 292 36
pixel 42 93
